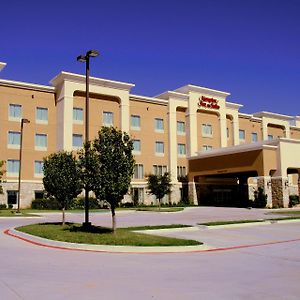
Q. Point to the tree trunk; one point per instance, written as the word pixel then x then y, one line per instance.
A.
pixel 114 222
pixel 159 204
pixel 63 216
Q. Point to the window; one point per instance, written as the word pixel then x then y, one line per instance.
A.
pixel 15 111
pixel 41 115
pixel 135 122
pixel 227 132
pixel 14 139
pixel 159 170
pixel 181 149
pixel 207 148
pixel 159 125
pixel 40 141
pixel 137 195
pixel 270 137
pixel 159 147
pixel 13 166
pixel 138 171
pixel 39 194
pixel 180 127
pixel 254 137
pixel 108 118
pixel 12 197
pixel 136 146
pixel 77 115
pixel 242 135
pixel 181 171
pixel 206 130
pixel 77 140
pixel 38 167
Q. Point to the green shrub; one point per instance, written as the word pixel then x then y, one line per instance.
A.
pixel 78 203
pixel 260 198
pixel 3 206
pixel 294 200
pixel 127 204
pixel 50 203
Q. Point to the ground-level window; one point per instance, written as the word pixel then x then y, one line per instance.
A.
pixel 159 170
pixel 38 194
pixel 270 137
pixel 12 197
pixel 137 195
pixel 181 171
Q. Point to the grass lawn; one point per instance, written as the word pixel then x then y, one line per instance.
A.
pixel 287 213
pixel 162 209
pixel 13 213
pixel 217 223
pixel 74 233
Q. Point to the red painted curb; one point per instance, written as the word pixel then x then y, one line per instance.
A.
pixel 7 232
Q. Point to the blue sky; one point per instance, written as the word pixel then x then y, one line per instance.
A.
pixel 247 48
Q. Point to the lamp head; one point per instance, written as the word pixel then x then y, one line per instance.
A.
pixel 92 53
pixel 25 121
pixel 81 58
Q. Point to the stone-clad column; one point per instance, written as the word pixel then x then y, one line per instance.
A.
pixel 280 191
pixel 264 182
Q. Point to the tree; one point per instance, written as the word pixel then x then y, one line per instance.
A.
pixel 116 164
pixel 62 178
pixel 260 198
pixel 1 174
pixel 159 185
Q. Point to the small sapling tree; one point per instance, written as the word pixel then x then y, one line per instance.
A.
pixel 159 185
pixel 1 175
pixel 62 178
pixel 116 164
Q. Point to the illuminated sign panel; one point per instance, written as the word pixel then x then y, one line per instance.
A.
pixel 208 102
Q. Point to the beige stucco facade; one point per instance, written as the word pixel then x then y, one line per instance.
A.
pixel 183 131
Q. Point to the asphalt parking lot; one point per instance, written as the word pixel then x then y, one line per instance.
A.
pixel 247 262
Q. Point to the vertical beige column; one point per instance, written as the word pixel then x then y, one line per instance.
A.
pixel 264 128
pixel 223 129
pixel 287 132
pixel 193 193
pixel 172 141
pixel 235 124
pixel 125 117
pixel 65 122
pixel 192 130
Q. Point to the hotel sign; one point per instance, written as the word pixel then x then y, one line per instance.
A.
pixel 208 102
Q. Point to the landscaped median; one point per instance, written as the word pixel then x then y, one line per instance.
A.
pixel 96 235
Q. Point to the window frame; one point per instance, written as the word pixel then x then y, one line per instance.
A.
pixel 204 130
pixel 41 121
pixel 104 115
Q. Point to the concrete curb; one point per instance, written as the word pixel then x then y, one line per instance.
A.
pixel 102 248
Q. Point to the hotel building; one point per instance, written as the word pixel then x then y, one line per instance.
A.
pixel 191 131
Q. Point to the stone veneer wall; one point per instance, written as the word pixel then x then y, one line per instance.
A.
pixel 263 182
pixel 27 192
pixel 280 193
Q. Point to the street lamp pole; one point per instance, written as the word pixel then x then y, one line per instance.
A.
pixel 86 58
pixel 20 161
